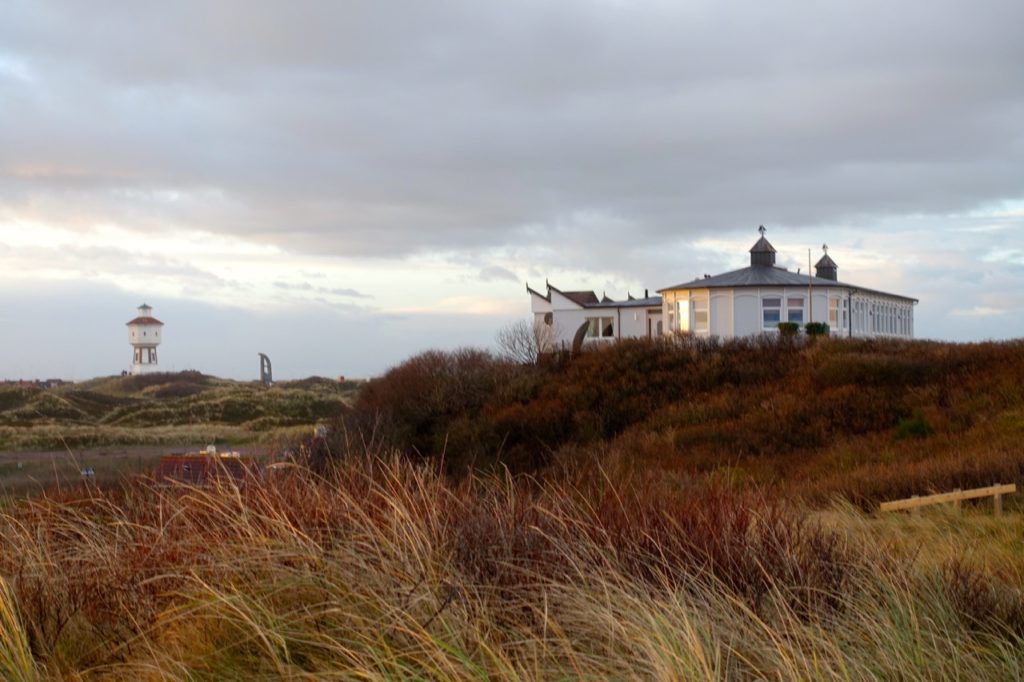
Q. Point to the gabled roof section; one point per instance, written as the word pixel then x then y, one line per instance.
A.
pixel 588 299
pixel 584 298
pixel 546 297
pixel 580 298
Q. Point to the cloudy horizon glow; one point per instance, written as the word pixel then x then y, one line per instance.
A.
pixel 344 184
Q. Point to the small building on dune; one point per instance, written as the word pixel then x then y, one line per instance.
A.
pixel 744 302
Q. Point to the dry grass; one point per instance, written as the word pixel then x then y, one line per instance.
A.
pixel 16 662
pixel 162 409
pixel 662 535
pixel 387 570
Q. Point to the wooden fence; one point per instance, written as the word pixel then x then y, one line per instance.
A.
pixel 956 497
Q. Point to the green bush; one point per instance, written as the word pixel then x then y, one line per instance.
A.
pixel 815 329
pixel 915 426
pixel 788 329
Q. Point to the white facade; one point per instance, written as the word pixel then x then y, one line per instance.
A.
pixel 756 299
pixel 144 335
pixel 558 316
pixel 752 300
pixel 729 312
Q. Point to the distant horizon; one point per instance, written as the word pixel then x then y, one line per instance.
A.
pixel 342 186
pixel 298 377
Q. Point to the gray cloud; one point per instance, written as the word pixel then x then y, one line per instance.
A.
pixel 507 139
pixel 309 288
pixel 358 129
pixel 493 273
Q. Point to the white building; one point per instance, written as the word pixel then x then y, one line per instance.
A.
pixel 751 300
pixel 144 336
pixel 559 314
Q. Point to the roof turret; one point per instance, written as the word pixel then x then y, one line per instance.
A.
pixel 762 252
pixel 826 268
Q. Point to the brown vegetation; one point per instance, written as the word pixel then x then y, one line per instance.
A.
pixel 387 569
pixel 863 419
pixel 650 510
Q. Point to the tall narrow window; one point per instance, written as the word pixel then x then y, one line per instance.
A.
pixel 795 309
pixel 700 315
pixel 683 314
pixel 771 312
pixel 833 313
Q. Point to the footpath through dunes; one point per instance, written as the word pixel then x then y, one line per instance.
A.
pixel 866 419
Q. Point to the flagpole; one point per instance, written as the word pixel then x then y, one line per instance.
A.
pixel 810 290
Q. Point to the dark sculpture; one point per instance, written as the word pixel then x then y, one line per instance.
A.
pixel 266 374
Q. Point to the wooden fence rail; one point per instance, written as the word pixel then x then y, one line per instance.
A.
pixel 913 503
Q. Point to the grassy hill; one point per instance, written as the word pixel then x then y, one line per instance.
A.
pixel 162 409
pixel 676 509
pixel 863 419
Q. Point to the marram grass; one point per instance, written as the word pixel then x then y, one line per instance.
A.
pixel 388 571
pixel 16 663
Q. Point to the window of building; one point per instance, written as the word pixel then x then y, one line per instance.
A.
pixel 833 313
pixel 600 327
pixel 683 314
pixel 795 309
pixel 771 312
pixel 549 319
pixel 700 315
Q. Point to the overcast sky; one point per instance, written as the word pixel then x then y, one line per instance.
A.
pixel 342 184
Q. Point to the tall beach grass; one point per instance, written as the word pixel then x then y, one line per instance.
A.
pixel 384 569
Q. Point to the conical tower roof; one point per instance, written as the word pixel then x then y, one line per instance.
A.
pixel 826 262
pixel 762 252
pixel 762 245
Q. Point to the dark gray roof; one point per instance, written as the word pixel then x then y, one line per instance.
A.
pixel 583 298
pixel 769 276
pixel 649 302
pixel 588 299
pixel 580 298
pixel 762 245
pixel 826 262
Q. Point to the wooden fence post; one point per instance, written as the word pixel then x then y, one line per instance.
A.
pixel 997 504
pixel 956 503
pixel 914 510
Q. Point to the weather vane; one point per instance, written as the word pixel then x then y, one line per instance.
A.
pixel 824 247
pixel 762 230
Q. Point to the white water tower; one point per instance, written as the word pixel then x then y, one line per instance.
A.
pixel 144 336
